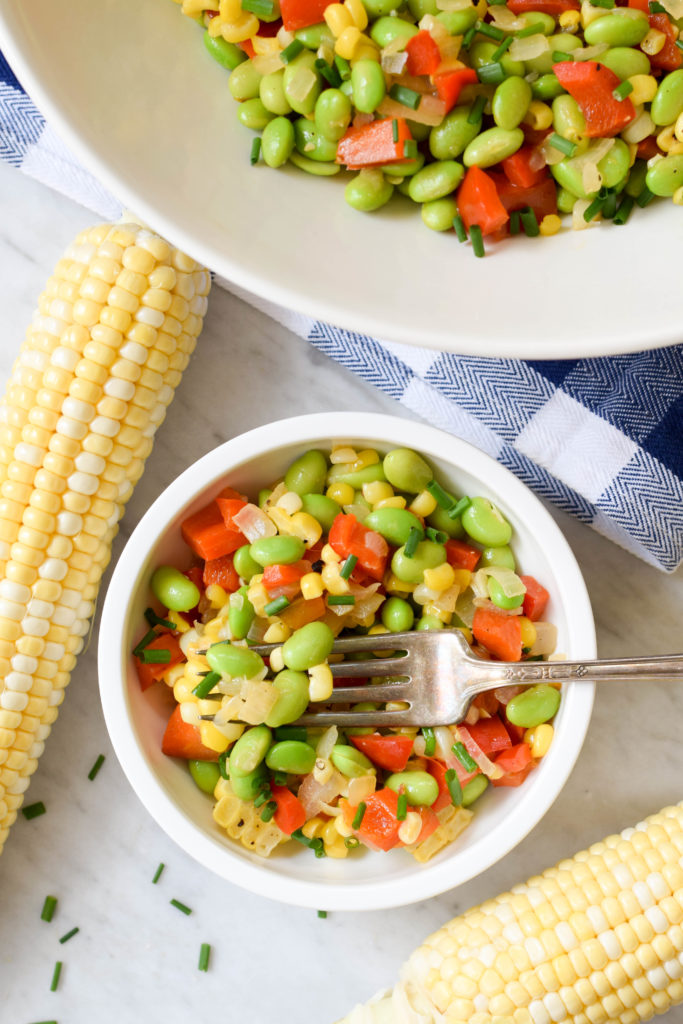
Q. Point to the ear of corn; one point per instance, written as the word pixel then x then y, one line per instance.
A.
pixel 113 332
pixel 597 938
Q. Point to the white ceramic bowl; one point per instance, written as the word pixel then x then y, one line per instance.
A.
pixel 136 720
pixel 129 86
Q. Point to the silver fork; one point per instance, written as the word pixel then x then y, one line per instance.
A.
pixel 440 677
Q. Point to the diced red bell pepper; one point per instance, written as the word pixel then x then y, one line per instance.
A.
pixel 221 572
pixel 520 169
pixel 648 148
pixel 553 7
pixel 516 763
pixel 285 580
pixel 500 634
pixel 450 84
pixel 206 533
pixel 372 145
pixel 290 814
pixel 437 769
pixel 349 537
pixel 149 673
pixel 196 575
pixel 184 740
pixel 390 752
pixel 592 85
pixel 669 57
pixel 230 507
pixel 424 56
pixel 461 555
pixel 302 13
pixel 301 612
pixel 380 826
pixel 515 732
pixel 479 203
pixel 248 47
pixel 487 702
pixel 542 198
pixel 535 599
pixel 514 778
pixel 489 733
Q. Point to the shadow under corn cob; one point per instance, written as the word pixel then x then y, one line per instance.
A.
pixel 113 332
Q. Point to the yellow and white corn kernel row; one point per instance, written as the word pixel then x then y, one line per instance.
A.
pixel 113 332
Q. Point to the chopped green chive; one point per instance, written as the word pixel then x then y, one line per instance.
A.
pixel 158 873
pixel 147 639
pixel 291 732
pixel 645 197
pixel 268 811
pixel 278 605
pixel 350 562
pixel 464 758
pixel 160 657
pixel 343 67
pixel 322 914
pixel 255 154
pixel 394 130
pixel 609 206
pixel 477 241
pixel 469 36
pixel 530 30
pixel 623 90
pixel 351 842
pixel 155 620
pixel 461 235
pixel 207 684
pixel 514 222
pixel 606 4
pixel 340 599
pixel 529 222
pixel 408 97
pixel 491 74
pixel 502 49
pixel 261 8
pixel 559 56
pixel 55 976
pixel 430 741
pixel 223 764
pixel 69 935
pixel 318 848
pixel 33 810
pixel 594 209
pixel 262 797
pixel 414 538
pixel 492 31
pixel 181 907
pixel 292 51
pixel 457 508
pixel 329 72
pixel 438 536
pixel 49 907
pixel 280 778
pixel 204 954
pixel 564 145
pixel 454 787
pixel 476 113
pixel 442 498
pixel 624 211
pixel 358 818
pixel 679 43
pixel 402 807
pixel 92 774
pixel 410 149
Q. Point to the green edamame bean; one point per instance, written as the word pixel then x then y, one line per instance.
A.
pixel 265 492
pixel 368 191
pixel 668 100
pixel 311 143
pixel 636 179
pixel 397 174
pixel 332 113
pixel 227 54
pixel 241 613
pixel 244 82
pixel 253 115
pixel 568 121
pixel 315 36
pixel 534 706
pixel 386 30
pixel 482 53
pixel 546 21
pixel 510 102
pixel 174 589
pixel 379 8
pixel 625 61
pixel 279 550
pixel 322 508
pixel 492 146
pixel 205 774
pixel 449 139
pixel 308 646
pixel 485 523
pixel 440 520
pixel 369 88
pixel 473 789
pixel 274 14
pixel 435 181
pixel 566 200
pixel 230 660
pixel 315 167
pixel 246 787
pixel 613 167
pixel 499 597
pixel 418 8
pixel 397 615
pixel 351 762
pixel 419 132
pixel 272 93
pixel 362 730
pixel 292 698
pixel 394 524
pixel 457 22
pixel 405 469
pixel 543 64
pixel 249 750
pixel 664 177
pixel 428 554
pixel 546 87
pixel 307 474
pixel 277 141
pixel 429 622
pixel 501 557
pixel 291 756
pixel 625 26
pixel 421 788
pixel 341 473
pixel 244 564
pixel 301 75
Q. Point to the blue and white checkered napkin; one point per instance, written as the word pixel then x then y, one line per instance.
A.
pixel 600 438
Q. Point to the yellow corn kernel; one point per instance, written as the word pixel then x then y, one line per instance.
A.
pixel 342 454
pixel 343 494
pixel 180 624
pixel 397 705
pixel 265 45
pixel 539 739
pixel 322 770
pixel 644 88
pixel 329 555
pixel 653 42
pixel 277 633
pixel 367 621
pixel 334 581
pixel 216 595
pixel 281 519
pixel 329 832
pixel 666 138
pixel 678 196
pixel 378 630
pixel 347 42
pixel 212 738
pixel 277 661
pixel 290 502
pixel 570 20
pixel 342 827
pixel 368 457
pixel 313 827
pixel 440 578
pixel 438 612
pixel 338 19
pixel 312 586
pixel 423 504
pixel 396 586
pixel 306 528
pixel 172 675
pixel 678 128
pixel 550 224
pixel 244 28
pixel 410 828
pixel 590 13
pixel 397 501
pixel 321 682
pixel 337 850
pixel 539 116
pixel 359 15
pixel 529 632
pixel 378 490
pixel 258 595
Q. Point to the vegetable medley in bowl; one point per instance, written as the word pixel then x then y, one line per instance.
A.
pixel 349 542
pixel 495 118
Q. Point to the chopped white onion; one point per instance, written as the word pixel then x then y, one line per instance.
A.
pixel 504 694
pixel 254 523
pixel 361 788
pixel 579 222
pixel 509 581
pixel 590 52
pixel 394 63
pixel 529 47
pixel 639 129
pixel 674 8
pixel 484 763
pixel 267 63
pixel 453 5
pixel 326 742
pixel 259 697
pixel 313 794
pixel 431 110
pixel 546 639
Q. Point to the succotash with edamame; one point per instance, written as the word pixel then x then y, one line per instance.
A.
pixel 494 117
pixel 349 542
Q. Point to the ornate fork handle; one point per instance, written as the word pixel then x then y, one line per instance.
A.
pixel 613 669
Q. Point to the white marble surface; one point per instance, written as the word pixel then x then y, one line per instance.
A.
pixel 135 957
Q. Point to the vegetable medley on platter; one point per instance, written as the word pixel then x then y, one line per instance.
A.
pixel 349 543
pixel 494 117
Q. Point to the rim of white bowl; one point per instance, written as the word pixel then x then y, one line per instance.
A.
pixel 430 880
